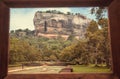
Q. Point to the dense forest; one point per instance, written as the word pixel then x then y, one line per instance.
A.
pixel 93 49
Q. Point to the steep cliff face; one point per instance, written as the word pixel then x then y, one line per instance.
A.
pixel 62 24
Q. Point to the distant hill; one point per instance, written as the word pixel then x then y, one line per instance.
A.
pixel 52 23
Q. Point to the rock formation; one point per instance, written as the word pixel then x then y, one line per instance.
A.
pixel 53 24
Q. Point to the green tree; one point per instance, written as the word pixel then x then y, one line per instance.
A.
pixel 99 12
pixel 68 13
pixel 71 37
pixel 105 42
pixel 94 37
pixel 74 53
pixel 93 27
pixel 99 42
pixel 21 51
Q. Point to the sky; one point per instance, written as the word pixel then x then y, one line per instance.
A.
pixel 22 18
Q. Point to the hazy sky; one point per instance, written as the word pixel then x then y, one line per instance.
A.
pixel 22 18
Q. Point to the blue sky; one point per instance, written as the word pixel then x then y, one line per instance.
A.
pixel 22 18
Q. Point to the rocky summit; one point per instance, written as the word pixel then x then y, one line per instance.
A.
pixel 51 24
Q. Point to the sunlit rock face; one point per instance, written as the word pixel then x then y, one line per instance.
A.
pixel 52 24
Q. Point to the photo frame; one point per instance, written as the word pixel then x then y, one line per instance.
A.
pixel 113 8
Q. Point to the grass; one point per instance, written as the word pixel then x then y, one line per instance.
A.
pixel 76 69
pixel 90 69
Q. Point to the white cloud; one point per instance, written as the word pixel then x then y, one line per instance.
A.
pixel 20 20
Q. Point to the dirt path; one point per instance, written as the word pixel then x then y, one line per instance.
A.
pixel 37 69
pixel 20 68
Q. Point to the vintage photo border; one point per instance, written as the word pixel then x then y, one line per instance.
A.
pixel 114 23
